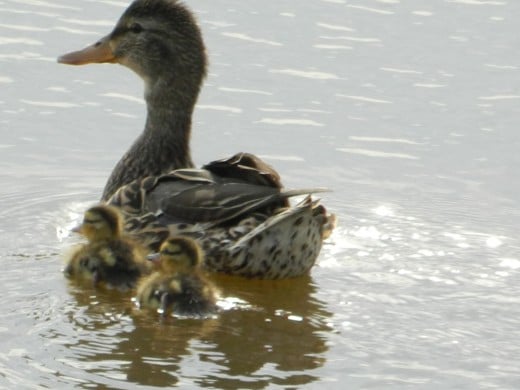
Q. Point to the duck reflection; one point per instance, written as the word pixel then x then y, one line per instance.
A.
pixel 277 338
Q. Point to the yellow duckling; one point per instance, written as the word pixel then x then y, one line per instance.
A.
pixel 179 285
pixel 109 257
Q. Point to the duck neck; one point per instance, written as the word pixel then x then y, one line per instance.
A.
pixel 164 144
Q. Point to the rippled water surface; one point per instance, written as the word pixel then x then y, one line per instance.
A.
pixel 407 110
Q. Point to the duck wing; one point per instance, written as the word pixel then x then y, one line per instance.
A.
pixel 221 202
pixel 246 167
pixel 221 191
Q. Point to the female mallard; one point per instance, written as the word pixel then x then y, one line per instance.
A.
pixel 235 208
pixel 178 286
pixel 108 257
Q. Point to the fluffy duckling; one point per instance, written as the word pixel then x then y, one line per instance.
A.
pixel 178 286
pixel 108 257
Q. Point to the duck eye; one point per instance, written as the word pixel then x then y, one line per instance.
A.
pixel 136 28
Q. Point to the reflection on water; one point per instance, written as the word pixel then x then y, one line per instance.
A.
pixel 117 341
pixel 407 110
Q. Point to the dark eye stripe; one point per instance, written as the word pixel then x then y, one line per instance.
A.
pixel 91 221
pixel 171 253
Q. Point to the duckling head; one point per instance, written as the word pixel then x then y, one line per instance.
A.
pixel 179 254
pixel 101 223
pixel 158 39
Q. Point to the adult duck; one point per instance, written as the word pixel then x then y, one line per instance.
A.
pixel 236 208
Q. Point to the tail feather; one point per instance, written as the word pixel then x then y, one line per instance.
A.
pixel 285 245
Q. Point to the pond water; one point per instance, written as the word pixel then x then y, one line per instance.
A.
pixel 407 110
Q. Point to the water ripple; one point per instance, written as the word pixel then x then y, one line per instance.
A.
pixel 245 37
pixel 20 27
pixel 240 90
pixel 334 27
pixel 305 74
pixel 377 153
pixel 46 4
pixel 477 2
pixel 364 99
pixel 500 97
pixel 290 121
pixel 369 9
pixel 49 104
pixel 20 41
pixel 234 110
pixel 384 140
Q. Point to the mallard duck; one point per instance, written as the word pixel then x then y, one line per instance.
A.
pixel 108 257
pixel 179 285
pixel 236 207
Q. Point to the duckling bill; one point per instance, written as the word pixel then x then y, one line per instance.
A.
pixel 179 286
pixel 109 257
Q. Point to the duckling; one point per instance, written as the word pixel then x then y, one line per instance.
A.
pixel 178 286
pixel 108 257
pixel 235 207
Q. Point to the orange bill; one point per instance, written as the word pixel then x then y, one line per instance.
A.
pixel 99 52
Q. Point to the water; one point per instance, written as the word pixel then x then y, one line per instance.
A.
pixel 408 110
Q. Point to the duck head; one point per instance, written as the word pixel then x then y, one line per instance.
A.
pixel 178 254
pixel 157 39
pixel 101 223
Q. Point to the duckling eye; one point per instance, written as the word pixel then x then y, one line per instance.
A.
pixel 135 28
